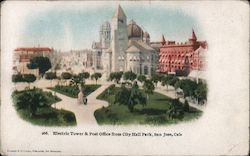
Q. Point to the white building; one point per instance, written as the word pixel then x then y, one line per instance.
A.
pixel 129 48
pixel 76 60
pixel 103 44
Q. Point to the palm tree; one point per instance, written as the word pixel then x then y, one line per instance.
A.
pixel 31 100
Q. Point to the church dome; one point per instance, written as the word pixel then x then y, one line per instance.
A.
pixel 134 31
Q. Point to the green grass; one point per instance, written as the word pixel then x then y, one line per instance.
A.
pixel 154 113
pixel 72 91
pixel 46 116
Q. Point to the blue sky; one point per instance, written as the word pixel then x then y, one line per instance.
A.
pixel 77 26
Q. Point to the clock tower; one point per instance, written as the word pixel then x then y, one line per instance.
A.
pixel 119 42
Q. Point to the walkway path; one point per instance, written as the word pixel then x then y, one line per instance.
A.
pixel 84 113
pixel 171 93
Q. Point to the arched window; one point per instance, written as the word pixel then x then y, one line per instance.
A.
pixel 146 70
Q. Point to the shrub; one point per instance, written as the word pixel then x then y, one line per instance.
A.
pixel 29 78
pixel 115 76
pixel 31 100
pixel 84 75
pixel 69 117
pixel 50 75
pixel 141 78
pixel 17 78
pixel 66 75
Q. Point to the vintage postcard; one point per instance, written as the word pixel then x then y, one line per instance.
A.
pixel 124 78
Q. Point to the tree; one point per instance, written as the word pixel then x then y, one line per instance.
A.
pixel 186 106
pixel 201 92
pixel 116 76
pixel 130 97
pixel 29 78
pixel 148 87
pixel 177 84
pixel 141 78
pixel 169 80
pixel 50 76
pixel 96 76
pixel 31 100
pixel 17 78
pixel 40 62
pixel 156 78
pixel 129 75
pixel 84 75
pixel 176 109
pixel 165 81
pixel 77 79
pixel 66 75
pixel 188 87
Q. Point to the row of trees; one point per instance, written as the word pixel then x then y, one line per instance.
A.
pixel 127 76
pixel 189 87
pixel 133 96
pixel 75 78
pixel 29 78
pixel 130 77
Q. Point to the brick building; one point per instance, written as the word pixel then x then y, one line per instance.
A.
pixel 186 56
pixel 22 57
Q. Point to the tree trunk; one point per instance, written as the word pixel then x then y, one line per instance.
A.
pixel 131 108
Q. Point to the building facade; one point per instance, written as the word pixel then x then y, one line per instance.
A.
pixel 103 44
pixel 186 56
pixel 76 60
pixel 130 48
pixel 23 55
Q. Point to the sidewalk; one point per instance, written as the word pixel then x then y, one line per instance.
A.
pixel 171 93
pixel 84 113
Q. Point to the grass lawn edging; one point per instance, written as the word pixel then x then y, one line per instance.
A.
pixel 154 113
pixel 47 116
pixel 72 91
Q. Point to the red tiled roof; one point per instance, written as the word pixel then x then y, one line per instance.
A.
pixel 34 49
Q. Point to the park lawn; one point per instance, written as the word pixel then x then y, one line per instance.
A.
pixel 47 116
pixel 153 113
pixel 72 91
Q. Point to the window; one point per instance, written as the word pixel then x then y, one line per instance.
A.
pixel 146 70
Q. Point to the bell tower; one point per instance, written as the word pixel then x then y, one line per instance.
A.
pixel 119 42
pixel 105 35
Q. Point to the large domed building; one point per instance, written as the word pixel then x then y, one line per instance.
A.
pixel 126 47
pixel 134 31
